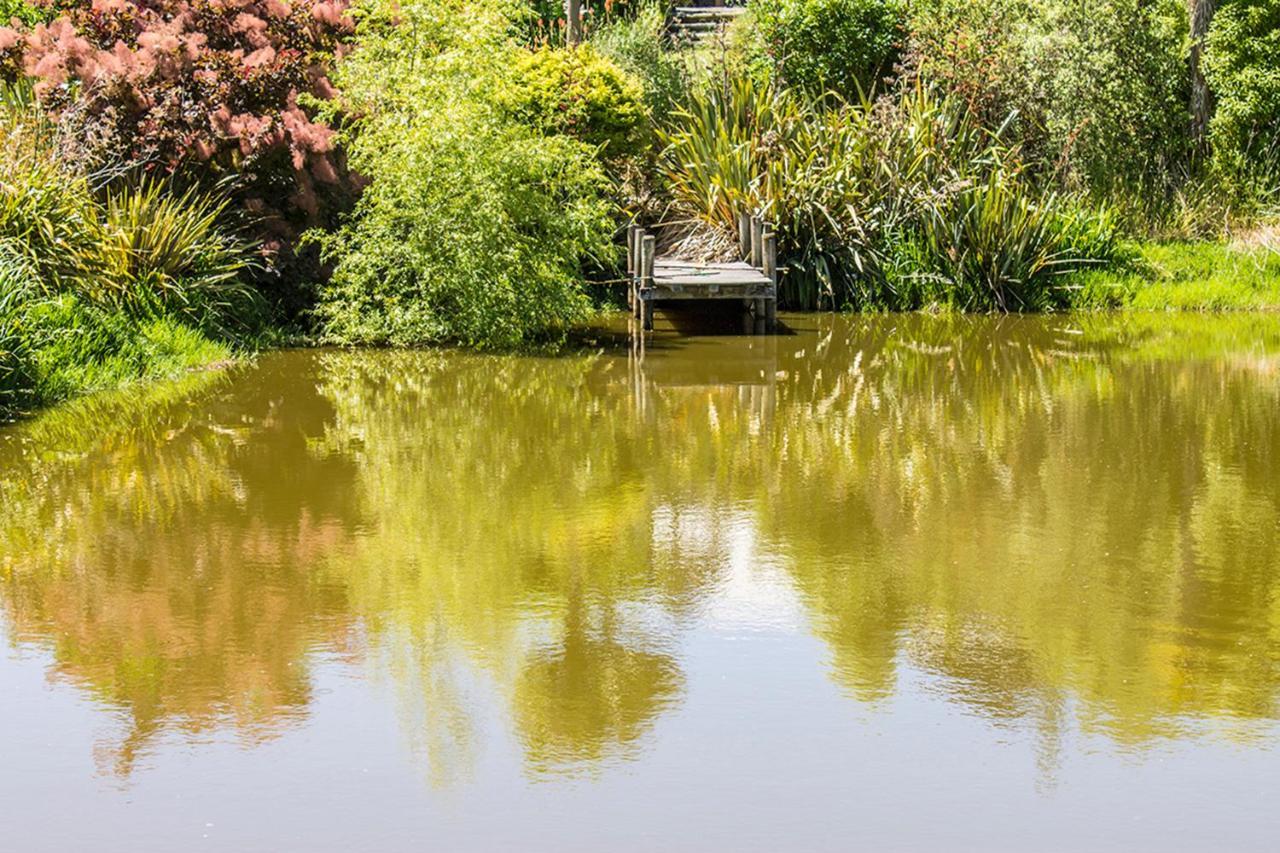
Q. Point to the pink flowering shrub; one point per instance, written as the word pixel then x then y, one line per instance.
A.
pixel 201 90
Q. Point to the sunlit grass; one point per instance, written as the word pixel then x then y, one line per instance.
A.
pixel 1186 276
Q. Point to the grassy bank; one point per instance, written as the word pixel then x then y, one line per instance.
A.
pixel 59 349
pixel 100 287
pixel 1187 276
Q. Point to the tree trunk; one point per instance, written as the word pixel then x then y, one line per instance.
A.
pixel 573 14
pixel 1201 12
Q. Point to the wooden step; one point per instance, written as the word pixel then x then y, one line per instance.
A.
pixel 700 19
pixel 694 13
pixel 693 24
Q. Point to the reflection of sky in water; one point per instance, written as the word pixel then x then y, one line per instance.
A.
pixel 752 592
pixel 891 582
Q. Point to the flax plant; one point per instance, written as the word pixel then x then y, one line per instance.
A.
pixel 903 202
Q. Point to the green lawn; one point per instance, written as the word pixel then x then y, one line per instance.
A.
pixel 1188 277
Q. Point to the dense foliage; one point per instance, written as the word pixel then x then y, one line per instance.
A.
pixel 1098 92
pixel 200 90
pixel 849 46
pixel 893 205
pixel 100 288
pixel 1244 72
pixel 639 47
pixel 475 225
pixel 578 92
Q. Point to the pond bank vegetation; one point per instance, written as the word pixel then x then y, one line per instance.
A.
pixel 185 180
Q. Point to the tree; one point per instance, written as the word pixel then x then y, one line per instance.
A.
pixel 1201 12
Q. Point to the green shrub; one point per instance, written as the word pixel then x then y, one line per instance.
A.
pixel 580 93
pixel 475 226
pixel 848 46
pixel 1243 69
pixel 165 252
pixel 24 12
pixel 892 205
pixel 994 246
pixel 1098 90
pixel 17 286
pixel 47 215
pixel 638 46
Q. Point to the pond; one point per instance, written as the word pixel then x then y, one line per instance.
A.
pixel 889 583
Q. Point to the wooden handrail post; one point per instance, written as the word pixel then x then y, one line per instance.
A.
pixel 648 249
pixel 631 265
pixel 757 237
pixel 744 235
pixel 769 243
pixel 631 248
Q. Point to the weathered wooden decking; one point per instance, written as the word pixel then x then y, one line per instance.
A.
pixel 753 281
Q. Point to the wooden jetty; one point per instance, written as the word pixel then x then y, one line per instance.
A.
pixel 751 281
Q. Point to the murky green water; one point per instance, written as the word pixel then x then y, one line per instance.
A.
pixel 887 583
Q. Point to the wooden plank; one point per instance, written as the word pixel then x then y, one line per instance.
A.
pixel 667 271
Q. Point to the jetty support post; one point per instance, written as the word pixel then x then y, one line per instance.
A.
pixel 648 249
pixel 631 265
pixel 770 245
pixel 757 260
pixel 757 234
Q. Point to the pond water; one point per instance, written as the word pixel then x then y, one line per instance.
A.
pixel 886 583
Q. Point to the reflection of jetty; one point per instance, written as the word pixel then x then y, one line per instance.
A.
pixel 674 365
pixel 753 281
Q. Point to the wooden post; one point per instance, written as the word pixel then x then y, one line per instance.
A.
pixel 573 17
pixel 648 248
pixel 631 248
pixel 631 266
pixel 638 274
pixel 757 235
pixel 744 235
pixel 770 245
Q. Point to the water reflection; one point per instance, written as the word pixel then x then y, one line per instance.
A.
pixel 1052 522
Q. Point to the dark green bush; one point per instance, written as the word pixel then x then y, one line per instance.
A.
pixel 848 46
pixel 1098 91
pixel 1243 70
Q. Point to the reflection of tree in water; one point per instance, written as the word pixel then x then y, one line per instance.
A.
pixel 589 694
pixel 513 532
pixel 164 553
pixel 1053 515
pixel 1033 519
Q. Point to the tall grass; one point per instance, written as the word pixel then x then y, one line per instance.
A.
pixel 47 217
pixel 164 252
pixel 899 203
pixel 99 288
pixel 16 277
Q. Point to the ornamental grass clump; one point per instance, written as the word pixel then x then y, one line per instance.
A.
pixel 900 203
pixel 168 252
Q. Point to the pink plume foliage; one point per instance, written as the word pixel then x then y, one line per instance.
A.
pixel 208 87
